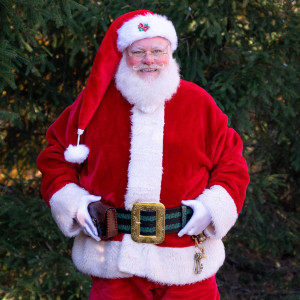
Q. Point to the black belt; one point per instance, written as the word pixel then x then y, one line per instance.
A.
pixel 175 219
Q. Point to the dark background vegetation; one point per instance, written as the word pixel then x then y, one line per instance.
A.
pixel 244 53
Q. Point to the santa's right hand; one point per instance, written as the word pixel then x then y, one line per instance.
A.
pixel 83 217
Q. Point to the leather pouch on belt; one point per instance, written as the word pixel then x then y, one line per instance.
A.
pixel 104 218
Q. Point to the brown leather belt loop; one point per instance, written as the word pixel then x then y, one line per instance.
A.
pixel 104 218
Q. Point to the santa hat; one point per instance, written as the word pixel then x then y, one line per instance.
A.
pixel 124 31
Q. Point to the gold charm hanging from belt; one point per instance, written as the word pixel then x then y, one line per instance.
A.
pixel 199 252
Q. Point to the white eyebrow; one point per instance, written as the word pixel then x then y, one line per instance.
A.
pixel 158 47
pixel 154 47
pixel 136 48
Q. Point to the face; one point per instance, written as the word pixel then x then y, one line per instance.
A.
pixel 148 56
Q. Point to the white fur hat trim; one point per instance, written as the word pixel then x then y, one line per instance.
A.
pixel 157 25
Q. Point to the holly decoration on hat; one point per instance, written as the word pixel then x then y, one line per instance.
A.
pixel 143 27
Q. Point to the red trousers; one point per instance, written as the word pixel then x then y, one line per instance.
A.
pixel 137 288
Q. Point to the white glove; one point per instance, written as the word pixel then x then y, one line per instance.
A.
pixel 83 217
pixel 200 219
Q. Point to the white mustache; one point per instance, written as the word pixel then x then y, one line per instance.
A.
pixel 143 66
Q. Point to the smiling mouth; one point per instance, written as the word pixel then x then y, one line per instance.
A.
pixel 148 70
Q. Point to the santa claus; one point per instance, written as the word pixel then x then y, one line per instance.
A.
pixel 158 150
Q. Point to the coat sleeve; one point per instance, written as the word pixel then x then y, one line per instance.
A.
pixel 60 186
pixel 228 178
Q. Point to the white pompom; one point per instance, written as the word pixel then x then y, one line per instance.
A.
pixel 76 154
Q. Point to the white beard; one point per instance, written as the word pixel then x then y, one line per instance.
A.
pixel 147 95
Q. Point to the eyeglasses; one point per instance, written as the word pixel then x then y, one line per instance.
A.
pixel 156 53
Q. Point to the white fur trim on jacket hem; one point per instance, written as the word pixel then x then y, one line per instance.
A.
pixel 64 205
pixel 166 265
pixel 159 26
pixel 222 209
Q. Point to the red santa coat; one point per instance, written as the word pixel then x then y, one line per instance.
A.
pixel 184 150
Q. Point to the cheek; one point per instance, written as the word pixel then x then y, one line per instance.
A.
pixel 164 60
pixel 132 61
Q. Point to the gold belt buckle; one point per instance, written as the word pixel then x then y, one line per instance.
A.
pixel 136 222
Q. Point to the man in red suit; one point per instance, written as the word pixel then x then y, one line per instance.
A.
pixel 156 148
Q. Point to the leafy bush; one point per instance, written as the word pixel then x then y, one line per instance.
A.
pixel 35 256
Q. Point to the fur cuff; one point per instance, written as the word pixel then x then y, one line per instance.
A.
pixel 64 205
pixel 222 209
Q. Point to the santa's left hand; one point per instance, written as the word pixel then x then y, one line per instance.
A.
pixel 200 219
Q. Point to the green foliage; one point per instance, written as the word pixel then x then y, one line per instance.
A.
pixel 35 256
pixel 244 53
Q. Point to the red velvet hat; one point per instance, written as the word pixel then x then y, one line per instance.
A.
pixel 125 30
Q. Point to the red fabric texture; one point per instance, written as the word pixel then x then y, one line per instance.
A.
pixel 140 288
pixel 103 70
pixel 199 151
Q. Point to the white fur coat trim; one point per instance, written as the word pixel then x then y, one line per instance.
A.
pixel 159 264
pixel 146 153
pixel 222 209
pixel 64 205
pixel 158 26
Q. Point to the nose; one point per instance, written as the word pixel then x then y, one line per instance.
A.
pixel 148 58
